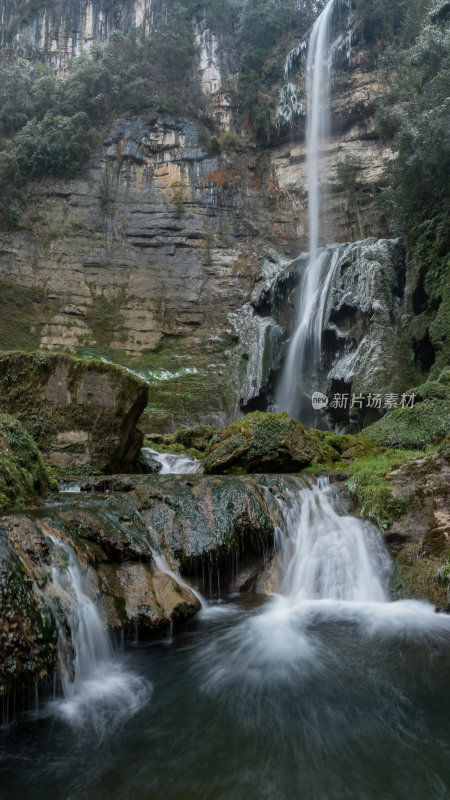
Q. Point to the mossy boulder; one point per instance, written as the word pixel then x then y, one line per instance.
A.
pixel 427 422
pixel 262 443
pixel 22 471
pixel 196 438
pixel 341 449
pixel 82 413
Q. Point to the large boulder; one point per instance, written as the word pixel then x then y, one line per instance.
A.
pixel 261 443
pixel 198 520
pixel 81 412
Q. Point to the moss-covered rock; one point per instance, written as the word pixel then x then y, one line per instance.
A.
pixel 196 438
pixel 81 412
pixel 427 422
pixel 28 634
pixel 260 443
pixel 22 471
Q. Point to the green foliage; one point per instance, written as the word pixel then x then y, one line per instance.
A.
pixel 368 485
pixel 384 20
pixel 265 29
pixel 178 196
pixel 426 423
pixel 22 471
pixel 46 125
pixel 55 146
pixel 415 118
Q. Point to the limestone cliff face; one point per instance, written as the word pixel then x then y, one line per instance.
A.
pixel 56 31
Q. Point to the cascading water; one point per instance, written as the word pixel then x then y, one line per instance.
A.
pixel 172 463
pixel 299 376
pixel 96 686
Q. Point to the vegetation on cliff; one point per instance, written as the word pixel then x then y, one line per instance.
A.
pixel 414 117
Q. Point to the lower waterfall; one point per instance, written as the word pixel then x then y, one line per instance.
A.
pixel 326 690
pixel 97 687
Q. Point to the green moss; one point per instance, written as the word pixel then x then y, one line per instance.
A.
pixel 22 311
pixel 105 320
pixel 369 487
pixel 22 471
pixel 262 442
pixel 424 424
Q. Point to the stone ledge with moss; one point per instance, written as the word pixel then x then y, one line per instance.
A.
pixel 81 412
pixel 198 519
pixel 262 443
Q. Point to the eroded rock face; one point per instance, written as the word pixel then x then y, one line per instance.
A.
pixel 82 413
pixel 421 536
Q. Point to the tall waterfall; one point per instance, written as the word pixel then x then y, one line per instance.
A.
pixel 299 376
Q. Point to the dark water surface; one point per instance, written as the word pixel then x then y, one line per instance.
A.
pixel 249 704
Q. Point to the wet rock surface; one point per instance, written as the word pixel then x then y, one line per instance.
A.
pixel 421 536
pixel 111 543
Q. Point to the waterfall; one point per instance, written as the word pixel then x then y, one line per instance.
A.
pixel 96 686
pixel 163 566
pixel 296 382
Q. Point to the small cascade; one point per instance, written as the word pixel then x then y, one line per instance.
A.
pixel 172 463
pixel 322 555
pixel 70 486
pixel 96 686
pixel 163 566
